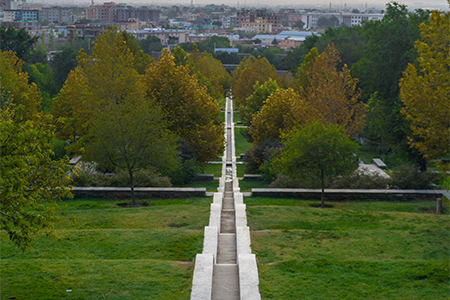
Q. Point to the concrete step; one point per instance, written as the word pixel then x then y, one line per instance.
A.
pixel 225 282
pixel 226 253
pixel 228 222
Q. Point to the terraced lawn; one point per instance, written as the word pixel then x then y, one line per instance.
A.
pixel 103 251
pixel 355 250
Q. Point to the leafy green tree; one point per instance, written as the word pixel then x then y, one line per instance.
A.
pixel 324 22
pixel 30 180
pixel 389 49
pixel 255 102
pixel 151 44
pixel 42 75
pixel 17 40
pixel 317 151
pixel 131 135
pixel 62 63
pixel 425 90
pixel 107 76
pixel 294 58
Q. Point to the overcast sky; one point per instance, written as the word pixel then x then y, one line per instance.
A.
pixel 335 4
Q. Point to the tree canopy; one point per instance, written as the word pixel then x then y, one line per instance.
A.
pixel 317 151
pixel 425 89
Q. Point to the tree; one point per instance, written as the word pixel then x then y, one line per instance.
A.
pixel 317 151
pixel 210 72
pixel 14 86
pixel 276 116
pixel 389 49
pixel 191 112
pixel 17 40
pixel 324 22
pixel 425 91
pixel 30 180
pixel 131 135
pixel 332 95
pixel 258 71
pixel 300 25
pixel 255 102
pixel 151 44
pixel 62 63
pixel 107 76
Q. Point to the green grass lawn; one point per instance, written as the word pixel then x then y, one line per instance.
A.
pixel 355 250
pixel 211 186
pixel 248 185
pixel 102 251
pixel 236 117
pixel 215 169
pixel 241 143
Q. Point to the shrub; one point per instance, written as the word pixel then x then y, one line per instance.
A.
pixel 362 179
pixel 409 177
pixel 185 174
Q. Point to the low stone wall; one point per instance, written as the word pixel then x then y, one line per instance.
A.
pixel 141 193
pixel 342 195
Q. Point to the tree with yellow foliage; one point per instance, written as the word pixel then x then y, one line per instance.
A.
pixel 14 86
pixel 425 89
pixel 331 94
pixel 258 71
pixel 191 112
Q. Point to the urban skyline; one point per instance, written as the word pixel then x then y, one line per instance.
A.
pixel 320 4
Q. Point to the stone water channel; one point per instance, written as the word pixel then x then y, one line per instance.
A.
pixel 226 269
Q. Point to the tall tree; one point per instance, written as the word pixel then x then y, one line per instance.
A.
pixel 191 112
pixel 17 40
pixel 258 71
pixel 14 85
pixel 389 49
pixel 425 91
pixel 107 76
pixel 62 63
pixel 30 180
pixel 131 135
pixel 317 151
pixel 332 94
pixel 255 102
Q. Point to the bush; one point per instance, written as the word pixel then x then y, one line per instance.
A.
pixel 409 177
pixel 283 181
pixel 362 179
pixel 185 174
pixel 143 178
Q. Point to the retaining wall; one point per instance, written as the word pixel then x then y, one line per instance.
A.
pixel 342 195
pixel 141 193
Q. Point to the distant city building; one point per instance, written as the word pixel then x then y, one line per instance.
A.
pixel 110 12
pixel 56 14
pixel 167 36
pixel 285 39
pixel 344 19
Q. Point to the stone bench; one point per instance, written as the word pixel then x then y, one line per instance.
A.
pixel 379 163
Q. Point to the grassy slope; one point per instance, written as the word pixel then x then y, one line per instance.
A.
pixel 103 251
pixel 356 250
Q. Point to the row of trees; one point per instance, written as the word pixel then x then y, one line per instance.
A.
pixel 324 90
pixel 117 108
pixel 377 54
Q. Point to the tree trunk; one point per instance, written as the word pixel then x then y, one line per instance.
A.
pixel 322 196
pixel 133 197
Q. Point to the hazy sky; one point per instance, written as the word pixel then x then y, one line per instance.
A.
pixel 335 4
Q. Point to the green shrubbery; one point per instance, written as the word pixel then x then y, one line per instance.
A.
pixel 403 177
pixel 143 178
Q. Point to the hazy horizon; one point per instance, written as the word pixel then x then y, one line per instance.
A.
pixel 324 4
